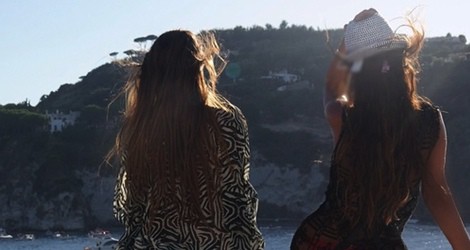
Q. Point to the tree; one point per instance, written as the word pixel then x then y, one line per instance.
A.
pixel 130 53
pixel 283 25
pixel 141 41
pixel 20 120
pixel 43 97
pixel 256 28
pixel 113 55
pixel 463 39
pixel 93 114
pixel 24 105
pixel 239 29
pixel 151 37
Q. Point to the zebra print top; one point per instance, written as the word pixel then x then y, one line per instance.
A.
pixel 232 227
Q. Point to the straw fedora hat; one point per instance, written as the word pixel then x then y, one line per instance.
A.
pixel 369 37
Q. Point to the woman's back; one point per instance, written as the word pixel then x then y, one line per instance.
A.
pixel 229 219
pixel 331 224
pixel 389 142
pixel 184 151
pixel 427 128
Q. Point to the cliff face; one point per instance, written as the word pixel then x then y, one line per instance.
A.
pixel 63 184
pixel 285 193
pixel 53 180
pixel 23 208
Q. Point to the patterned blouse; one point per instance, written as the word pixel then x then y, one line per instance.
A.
pixel 232 227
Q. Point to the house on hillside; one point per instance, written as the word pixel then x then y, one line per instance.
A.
pixel 59 120
pixel 460 56
pixel 452 42
pixel 282 75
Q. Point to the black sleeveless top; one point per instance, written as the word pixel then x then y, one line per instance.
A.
pixel 325 228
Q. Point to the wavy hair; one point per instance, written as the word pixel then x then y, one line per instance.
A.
pixel 380 144
pixel 168 137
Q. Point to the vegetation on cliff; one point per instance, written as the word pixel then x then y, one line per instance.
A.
pixel 285 118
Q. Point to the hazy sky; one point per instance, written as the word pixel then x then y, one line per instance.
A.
pixel 46 43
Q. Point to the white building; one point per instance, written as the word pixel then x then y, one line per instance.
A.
pixel 282 76
pixel 59 120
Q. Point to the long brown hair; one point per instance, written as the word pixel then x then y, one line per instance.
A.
pixel 169 134
pixel 379 145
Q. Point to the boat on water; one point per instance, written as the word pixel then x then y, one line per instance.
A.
pixel 22 236
pixel 25 237
pixel 99 233
pixel 104 244
pixel 104 240
pixel 60 235
pixel 4 235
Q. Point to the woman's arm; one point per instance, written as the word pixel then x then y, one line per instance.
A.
pixel 337 78
pixel 438 197
pixel 334 95
pixel 238 198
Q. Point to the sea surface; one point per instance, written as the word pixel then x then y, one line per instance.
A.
pixel 277 236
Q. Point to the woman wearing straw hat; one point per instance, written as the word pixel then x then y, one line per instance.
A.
pixel 184 179
pixel 389 143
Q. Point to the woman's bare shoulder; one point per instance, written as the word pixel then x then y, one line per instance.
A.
pixel 334 115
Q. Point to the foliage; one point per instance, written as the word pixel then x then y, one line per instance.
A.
pixel 98 88
pixel 15 121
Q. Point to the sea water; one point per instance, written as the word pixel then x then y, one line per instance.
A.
pixel 417 237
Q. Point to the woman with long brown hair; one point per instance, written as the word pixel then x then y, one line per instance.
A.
pixel 389 143
pixel 184 152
